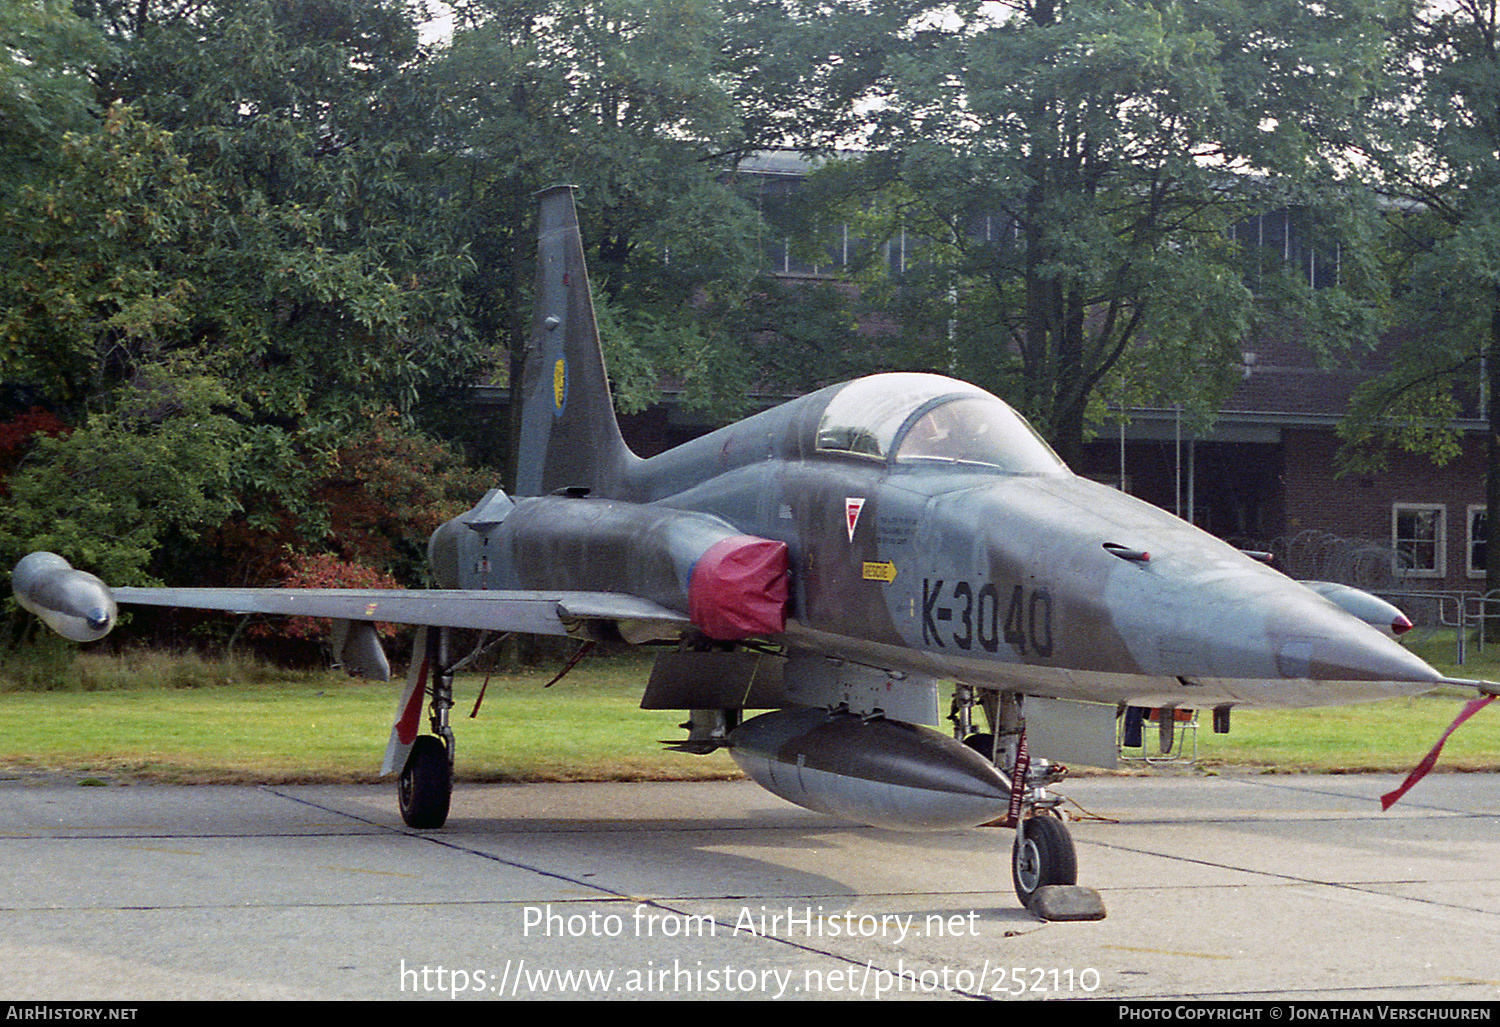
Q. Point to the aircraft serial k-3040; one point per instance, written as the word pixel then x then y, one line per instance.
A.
pixel 831 560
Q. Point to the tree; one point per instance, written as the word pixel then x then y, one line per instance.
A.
pixel 1061 183
pixel 162 460
pixel 806 76
pixel 46 53
pixel 109 271
pixel 627 100
pixel 305 120
pixel 248 217
pixel 1434 151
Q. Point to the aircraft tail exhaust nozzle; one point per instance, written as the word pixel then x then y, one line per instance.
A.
pixel 886 773
pixel 73 603
pixel 731 585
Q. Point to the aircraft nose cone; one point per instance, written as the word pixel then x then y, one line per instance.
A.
pixel 1207 614
pixel 1352 656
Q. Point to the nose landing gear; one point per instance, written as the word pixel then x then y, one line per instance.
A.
pixel 1044 861
pixel 1042 856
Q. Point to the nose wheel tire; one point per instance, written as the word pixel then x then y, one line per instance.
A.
pixel 1043 855
pixel 425 786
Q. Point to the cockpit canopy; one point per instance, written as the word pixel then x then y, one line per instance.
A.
pixel 926 418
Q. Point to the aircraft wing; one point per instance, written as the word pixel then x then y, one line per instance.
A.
pixel 530 612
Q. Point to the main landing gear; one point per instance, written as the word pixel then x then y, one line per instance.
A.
pixel 1044 861
pixel 425 787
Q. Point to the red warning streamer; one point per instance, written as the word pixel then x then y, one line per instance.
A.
pixel 1018 782
pixel 1430 760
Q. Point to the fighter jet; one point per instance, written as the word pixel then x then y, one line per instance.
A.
pixel 831 561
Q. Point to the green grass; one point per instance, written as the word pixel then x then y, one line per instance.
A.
pixel 150 716
pixel 1392 736
pixel 327 727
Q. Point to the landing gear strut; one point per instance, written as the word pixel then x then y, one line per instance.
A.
pixel 425 787
pixel 1044 861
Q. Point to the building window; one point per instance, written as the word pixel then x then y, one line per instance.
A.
pixel 1419 537
pixel 1478 532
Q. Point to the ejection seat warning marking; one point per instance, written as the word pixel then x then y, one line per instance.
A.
pixel 885 572
pixel 1027 625
pixel 852 506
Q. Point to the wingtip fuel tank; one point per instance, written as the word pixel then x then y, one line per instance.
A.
pixel 73 603
pixel 1371 609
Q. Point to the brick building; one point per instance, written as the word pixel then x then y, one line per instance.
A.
pixel 1267 473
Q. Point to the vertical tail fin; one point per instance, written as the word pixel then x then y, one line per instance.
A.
pixel 569 435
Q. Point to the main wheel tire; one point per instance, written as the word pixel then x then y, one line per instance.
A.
pixel 1045 856
pixel 425 786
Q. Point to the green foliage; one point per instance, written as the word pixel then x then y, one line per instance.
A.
pixel 248 247
pixel 111 266
pixel 1433 147
pixel 1072 171
pixel 627 100
pixel 46 53
pixel 160 461
pixel 369 503
pixel 219 276
pixel 326 248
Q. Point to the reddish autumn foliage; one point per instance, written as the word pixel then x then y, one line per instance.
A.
pixel 321 570
pixel 380 496
pixel 388 490
pixel 17 435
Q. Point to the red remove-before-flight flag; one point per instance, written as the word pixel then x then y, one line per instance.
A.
pixel 1430 760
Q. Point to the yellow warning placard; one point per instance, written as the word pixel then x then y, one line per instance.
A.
pixel 885 572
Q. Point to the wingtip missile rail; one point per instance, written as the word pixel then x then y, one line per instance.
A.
pixel 73 603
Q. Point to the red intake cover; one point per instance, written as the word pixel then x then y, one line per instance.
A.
pixel 739 588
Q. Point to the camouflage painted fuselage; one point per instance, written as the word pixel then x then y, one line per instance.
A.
pixel 927 530
pixel 1006 579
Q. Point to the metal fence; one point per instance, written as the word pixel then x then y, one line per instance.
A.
pixel 1315 555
